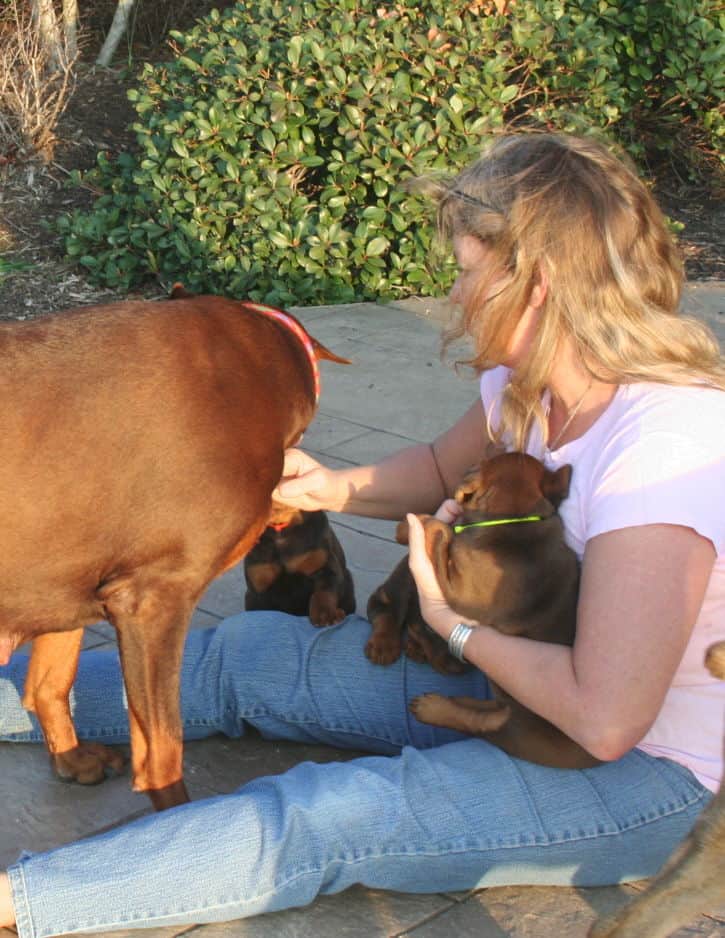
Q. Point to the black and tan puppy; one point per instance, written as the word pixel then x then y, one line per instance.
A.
pixel 298 567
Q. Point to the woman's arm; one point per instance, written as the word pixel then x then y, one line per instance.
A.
pixel 416 479
pixel 641 592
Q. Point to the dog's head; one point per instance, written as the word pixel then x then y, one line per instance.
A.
pixel 512 485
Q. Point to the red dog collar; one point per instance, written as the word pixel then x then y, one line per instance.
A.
pixel 292 324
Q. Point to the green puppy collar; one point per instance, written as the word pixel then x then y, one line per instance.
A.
pixel 489 524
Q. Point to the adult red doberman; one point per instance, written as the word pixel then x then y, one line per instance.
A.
pixel 141 444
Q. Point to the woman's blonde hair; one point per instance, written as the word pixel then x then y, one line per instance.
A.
pixel 565 211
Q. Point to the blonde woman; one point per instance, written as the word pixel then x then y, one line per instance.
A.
pixel 568 289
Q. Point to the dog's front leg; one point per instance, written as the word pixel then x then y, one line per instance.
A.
pixel 51 673
pixel 152 627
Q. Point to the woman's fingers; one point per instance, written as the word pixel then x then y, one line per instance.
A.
pixel 419 562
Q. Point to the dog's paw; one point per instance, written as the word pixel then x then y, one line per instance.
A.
pixel 414 650
pixel 324 610
pixel 87 763
pixel 383 650
pixel 426 707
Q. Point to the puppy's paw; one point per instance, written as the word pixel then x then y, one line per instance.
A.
pixel 383 649
pixel 324 610
pixel 414 650
pixel 427 707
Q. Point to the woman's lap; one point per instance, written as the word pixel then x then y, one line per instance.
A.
pixel 273 671
pixel 433 812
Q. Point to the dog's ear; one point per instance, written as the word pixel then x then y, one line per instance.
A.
pixel 470 483
pixel 179 292
pixel 555 485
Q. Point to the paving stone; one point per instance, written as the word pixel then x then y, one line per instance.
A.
pixel 327 433
pixel 219 765
pixel 538 912
pixel 371 446
pixel 225 596
pixel 40 812
pixel 706 301
pixel 356 913
pixel 370 560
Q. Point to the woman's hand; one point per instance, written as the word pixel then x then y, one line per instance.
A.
pixel 307 485
pixel 433 606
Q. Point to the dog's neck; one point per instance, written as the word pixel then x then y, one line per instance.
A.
pixel 291 323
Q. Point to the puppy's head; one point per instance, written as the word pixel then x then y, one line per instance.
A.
pixel 512 485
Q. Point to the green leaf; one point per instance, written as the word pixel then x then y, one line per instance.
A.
pixel 294 50
pixel 377 246
pixel 268 140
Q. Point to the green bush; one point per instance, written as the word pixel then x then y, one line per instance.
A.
pixel 273 146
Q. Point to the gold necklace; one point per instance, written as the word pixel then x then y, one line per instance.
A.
pixel 572 414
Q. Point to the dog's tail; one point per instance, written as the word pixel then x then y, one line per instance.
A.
pixel 321 352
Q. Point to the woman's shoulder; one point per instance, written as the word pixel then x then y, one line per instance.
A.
pixel 656 456
pixel 692 412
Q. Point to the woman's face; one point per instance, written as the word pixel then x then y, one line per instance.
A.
pixel 473 258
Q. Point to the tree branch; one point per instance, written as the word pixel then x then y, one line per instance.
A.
pixel 115 33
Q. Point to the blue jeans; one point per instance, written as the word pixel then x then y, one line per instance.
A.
pixel 430 811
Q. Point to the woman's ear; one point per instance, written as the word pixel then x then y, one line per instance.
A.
pixel 540 289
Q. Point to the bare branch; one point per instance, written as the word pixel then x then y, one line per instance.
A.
pixel 46 23
pixel 70 27
pixel 32 94
pixel 119 26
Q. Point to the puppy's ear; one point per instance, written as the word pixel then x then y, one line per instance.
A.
pixel 402 532
pixel 470 483
pixel 555 485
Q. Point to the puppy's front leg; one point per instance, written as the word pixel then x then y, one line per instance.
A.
pixel 388 609
pixel 325 605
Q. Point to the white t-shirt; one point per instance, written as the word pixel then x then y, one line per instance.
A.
pixel 655 456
